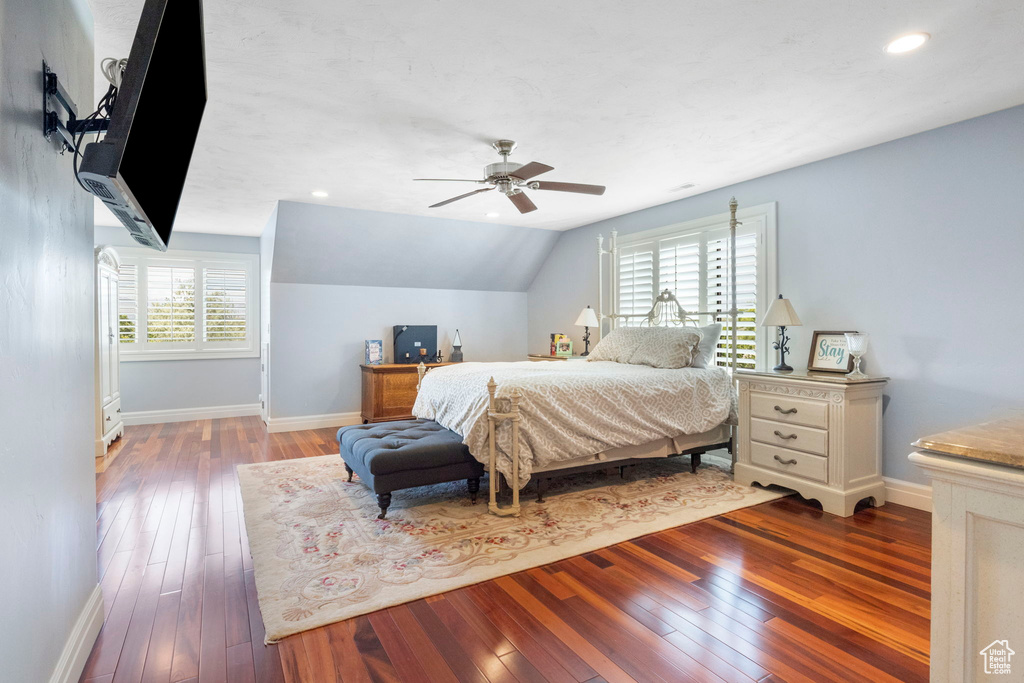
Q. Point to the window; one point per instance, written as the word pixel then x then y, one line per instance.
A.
pixel 183 304
pixel 692 261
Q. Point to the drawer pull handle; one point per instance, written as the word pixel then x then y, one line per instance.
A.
pixel 789 411
pixel 786 462
pixel 784 436
pixel 108 418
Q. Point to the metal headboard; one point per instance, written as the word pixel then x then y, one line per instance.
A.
pixel 676 314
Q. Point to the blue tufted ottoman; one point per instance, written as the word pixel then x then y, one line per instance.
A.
pixel 389 456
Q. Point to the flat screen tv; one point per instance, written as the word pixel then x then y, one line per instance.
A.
pixel 415 343
pixel 138 170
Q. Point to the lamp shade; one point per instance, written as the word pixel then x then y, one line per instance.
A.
pixel 587 318
pixel 458 339
pixel 780 314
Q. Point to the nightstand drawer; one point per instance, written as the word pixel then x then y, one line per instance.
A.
pixel 798 438
pixel 804 465
pixel 789 410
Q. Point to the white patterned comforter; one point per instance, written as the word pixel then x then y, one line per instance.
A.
pixel 574 408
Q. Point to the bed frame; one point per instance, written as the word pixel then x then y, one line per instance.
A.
pixel 666 311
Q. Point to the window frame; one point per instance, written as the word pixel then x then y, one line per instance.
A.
pixel 143 350
pixel 763 219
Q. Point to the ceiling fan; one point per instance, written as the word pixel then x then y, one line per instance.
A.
pixel 511 178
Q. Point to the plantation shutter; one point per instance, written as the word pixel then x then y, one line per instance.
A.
pixel 225 302
pixel 171 310
pixel 719 295
pixel 636 282
pixel 128 303
pixel 679 270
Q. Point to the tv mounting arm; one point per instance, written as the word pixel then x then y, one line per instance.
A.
pixel 74 126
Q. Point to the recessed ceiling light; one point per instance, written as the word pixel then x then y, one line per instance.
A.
pixel 906 43
pixel 318 193
pixel 492 214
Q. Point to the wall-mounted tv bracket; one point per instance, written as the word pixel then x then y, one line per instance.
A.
pixel 52 88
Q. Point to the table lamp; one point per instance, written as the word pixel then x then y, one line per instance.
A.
pixel 587 320
pixel 781 314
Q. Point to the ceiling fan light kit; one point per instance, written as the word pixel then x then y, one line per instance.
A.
pixel 511 179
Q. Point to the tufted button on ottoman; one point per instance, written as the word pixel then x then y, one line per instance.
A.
pixel 389 456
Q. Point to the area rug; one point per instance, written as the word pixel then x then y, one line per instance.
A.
pixel 320 554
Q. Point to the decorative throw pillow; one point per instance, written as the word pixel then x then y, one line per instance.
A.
pixel 618 345
pixel 666 347
pixel 704 356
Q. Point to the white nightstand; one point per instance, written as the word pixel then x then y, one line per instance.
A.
pixel 815 433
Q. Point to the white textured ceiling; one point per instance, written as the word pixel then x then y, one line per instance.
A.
pixel 357 97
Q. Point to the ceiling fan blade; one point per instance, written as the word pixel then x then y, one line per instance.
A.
pixel 522 202
pixel 568 187
pixel 452 180
pixel 531 170
pixel 461 196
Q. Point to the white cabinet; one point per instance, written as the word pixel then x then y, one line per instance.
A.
pixel 820 435
pixel 109 424
pixel 977 551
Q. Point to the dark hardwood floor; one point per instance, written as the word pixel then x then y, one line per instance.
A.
pixel 777 592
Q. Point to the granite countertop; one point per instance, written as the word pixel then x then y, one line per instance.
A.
pixel 999 441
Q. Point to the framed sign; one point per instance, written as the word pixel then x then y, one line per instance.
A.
pixel 374 352
pixel 829 353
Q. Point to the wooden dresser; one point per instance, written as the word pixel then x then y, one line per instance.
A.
pixel 389 391
pixel 815 433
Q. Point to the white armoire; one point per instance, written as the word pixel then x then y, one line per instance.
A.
pixel 109 425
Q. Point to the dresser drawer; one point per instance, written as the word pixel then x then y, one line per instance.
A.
pixel 789 410
pixel 111 414
pixel 791 436
pixel 813 467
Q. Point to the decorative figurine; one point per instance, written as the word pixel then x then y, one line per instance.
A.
pixel 456 356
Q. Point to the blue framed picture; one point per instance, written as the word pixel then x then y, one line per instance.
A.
pixel 374 351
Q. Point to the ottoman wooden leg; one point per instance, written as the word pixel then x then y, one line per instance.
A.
pixel 350 472
pixel 473 483
pixel 694 462
pixel 542 488
pixel 383 501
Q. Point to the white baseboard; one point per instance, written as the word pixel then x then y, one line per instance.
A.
pixel 152 417
pixel 295 424
pixel 80 640
pixel 917 496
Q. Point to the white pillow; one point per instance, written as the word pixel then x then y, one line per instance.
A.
pixel 666 347
pixel 659 347
pixel 704 356
pixel 617 346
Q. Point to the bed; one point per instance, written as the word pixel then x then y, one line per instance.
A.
pixel 526 419
pixel 579 413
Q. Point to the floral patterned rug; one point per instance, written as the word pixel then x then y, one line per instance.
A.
pixel 321 555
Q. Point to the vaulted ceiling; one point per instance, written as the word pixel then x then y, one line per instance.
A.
pixel 358 98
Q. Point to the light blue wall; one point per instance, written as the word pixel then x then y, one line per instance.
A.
pixel 328 245
pixel 342 276
pixel 183 384
pixel 919 242
pixel 319 332
pixel 47 399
